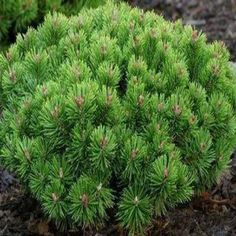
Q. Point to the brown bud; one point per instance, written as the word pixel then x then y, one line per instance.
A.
pixel 194 35
pixel 158 127
pixel 177 110
pixel 141 100
pixel 160 106
pixel 135 80
pixel 109 99
pixel 141 18
pixel 180 70
pixel 215 70
pixel 77 72
pixel 55 197
pixel 165 46
pixel 84 200
pixel 103 142
pixel 136 41
pixel 9 56
pixel 202 146
pixel 12 76
pixel 27 154
pixel 55 22
pixel 172 154
pixel 134 153
pixel 161 146
pixel 75 39
pixel 166 173
pixel 55 113
pixel 222 44
pixel 45 91
pixel 26 103
pixel 216 55
pixel 79 101
pixel 153 33
pixel 192 120
pixel 131 25
pixel 37 57
pixel 103 49
pixel 80 21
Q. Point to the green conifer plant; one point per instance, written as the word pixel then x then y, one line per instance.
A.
pixel 115 109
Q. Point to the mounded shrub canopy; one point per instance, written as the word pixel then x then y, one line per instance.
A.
pixel 115 108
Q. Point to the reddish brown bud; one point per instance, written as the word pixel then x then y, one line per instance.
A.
pixel 45 91
pixel 26 103
pixel 55 113
pixel 9 56
pixel 103 142
pixel 131 25
pixel 166 173
pixel 141 18
pixel 158 127
pixel 37 57
pixel 79 101
pixel 180 70
pixel 141 100
pixel 194 35
pixel 136 41
pixel 135 80
pixel 160 106
pixel 202 146
pixel 162 144
pixel 165 46
pixel 153 33
pixel 85 200
pixel 134 153
pixel 192 120
pixel 215 70
pixel 177 110
pixel 76 71
pixel 12 76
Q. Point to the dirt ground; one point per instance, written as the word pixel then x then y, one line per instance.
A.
pixel 213 213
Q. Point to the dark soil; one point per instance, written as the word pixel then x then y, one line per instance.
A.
pixel 213 213
pixel 217 18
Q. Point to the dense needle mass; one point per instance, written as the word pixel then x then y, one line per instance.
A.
pixel 116 108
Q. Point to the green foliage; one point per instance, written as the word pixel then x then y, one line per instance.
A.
pixel 115 108
pixel 17 15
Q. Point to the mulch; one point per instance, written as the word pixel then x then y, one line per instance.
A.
pixel 212 213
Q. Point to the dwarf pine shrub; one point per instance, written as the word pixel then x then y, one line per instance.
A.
pixel 115 109
pixel 18 15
